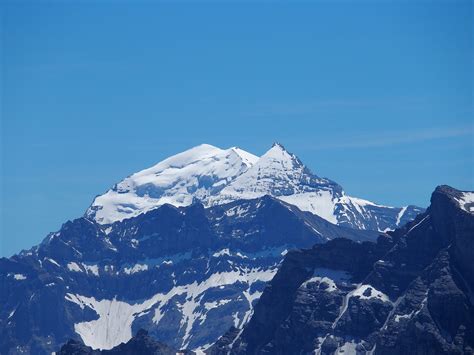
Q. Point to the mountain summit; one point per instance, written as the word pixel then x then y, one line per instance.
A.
pixel 196 173
pixel 216 176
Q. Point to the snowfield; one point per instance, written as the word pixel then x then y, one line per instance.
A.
pixel 114 325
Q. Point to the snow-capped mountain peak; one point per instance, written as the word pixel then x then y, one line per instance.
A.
pixel 278 154
pixel 177 180
pixel 277 173
pixel 216 176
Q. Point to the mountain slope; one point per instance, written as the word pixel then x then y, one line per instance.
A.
pixel 410 293
pixel 215 176
pixel 186 274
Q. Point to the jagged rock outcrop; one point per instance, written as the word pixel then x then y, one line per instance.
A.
pixel 410 293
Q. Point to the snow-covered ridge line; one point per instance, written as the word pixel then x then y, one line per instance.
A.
pixel 217 176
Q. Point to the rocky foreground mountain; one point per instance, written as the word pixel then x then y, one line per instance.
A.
pixel 185 274
pixel 409 293
pixel 216 176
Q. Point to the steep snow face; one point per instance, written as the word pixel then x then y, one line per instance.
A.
pixel 196 173
pixel 321 203
pixel 277 173
pixel 282 175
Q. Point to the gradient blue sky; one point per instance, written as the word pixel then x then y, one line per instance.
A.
pixel 375 95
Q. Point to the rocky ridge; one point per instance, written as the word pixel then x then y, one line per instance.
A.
pixel 410 293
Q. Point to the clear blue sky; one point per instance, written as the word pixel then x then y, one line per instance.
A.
pixel 375 95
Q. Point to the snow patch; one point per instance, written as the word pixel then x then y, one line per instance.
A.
pixel 328 277
pixel 72 266
pixel 114 325
pixel 416 225
pixel 366 292
pixel 331 285
pixel 348 348
pixel 136 268
pixel 221 253
pixel 398 317
pixel 400 215
pixel 12 313
pixel 52 261
pixel 466 201
pixel 215 304
pixel 93 269
pixel 237 211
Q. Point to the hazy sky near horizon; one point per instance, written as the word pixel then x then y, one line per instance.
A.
pixel 377 96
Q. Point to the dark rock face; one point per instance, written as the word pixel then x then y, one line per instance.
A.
pixel 74 347
pixel 185 274
pixel 304 300
pixel 410 293
pixel 140 344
